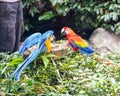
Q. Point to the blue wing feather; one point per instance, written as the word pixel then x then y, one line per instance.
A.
pixel 87 50
pixel 29 42
pixel 73 44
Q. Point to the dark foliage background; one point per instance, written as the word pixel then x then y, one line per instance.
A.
pixel 81 15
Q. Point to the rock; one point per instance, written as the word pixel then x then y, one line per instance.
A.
pixel 60 49
pixel 104 41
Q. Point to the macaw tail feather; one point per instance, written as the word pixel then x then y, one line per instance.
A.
pixel 88 50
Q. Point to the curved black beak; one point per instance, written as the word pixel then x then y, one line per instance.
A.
pixel 53 38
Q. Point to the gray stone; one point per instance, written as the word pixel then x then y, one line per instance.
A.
pixel 104 41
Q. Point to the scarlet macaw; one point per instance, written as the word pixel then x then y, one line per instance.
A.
pixel 43 44
pixel 76 42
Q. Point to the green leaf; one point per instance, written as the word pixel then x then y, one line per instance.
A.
pixel 32 11
pixel 54 2
pixel 27 27
pixel 4 69
pixel 114 16
pixel 47 15
pixel 45 60
pixel 16 61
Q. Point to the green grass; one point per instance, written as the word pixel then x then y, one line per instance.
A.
pixel 71 75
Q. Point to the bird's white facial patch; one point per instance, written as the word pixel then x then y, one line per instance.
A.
pixel 66 31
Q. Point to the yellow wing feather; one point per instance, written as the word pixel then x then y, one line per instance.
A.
pixel 82 43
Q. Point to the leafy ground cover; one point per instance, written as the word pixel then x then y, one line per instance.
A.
pixel 70 75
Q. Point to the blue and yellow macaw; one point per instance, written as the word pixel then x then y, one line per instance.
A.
pixel 43 44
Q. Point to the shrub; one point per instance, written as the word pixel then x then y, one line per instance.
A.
pixel 92 14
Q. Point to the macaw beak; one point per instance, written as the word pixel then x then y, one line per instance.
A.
pixel 52 38
pixel 63 31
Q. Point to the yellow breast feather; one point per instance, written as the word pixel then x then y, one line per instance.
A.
pixel 48 44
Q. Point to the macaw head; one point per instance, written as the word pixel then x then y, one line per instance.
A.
pixel 67 30
pixel 49 38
